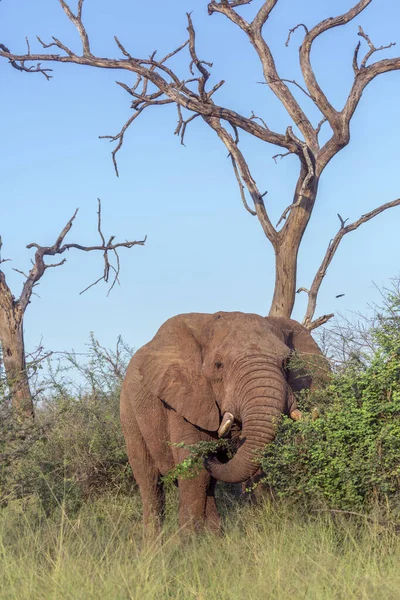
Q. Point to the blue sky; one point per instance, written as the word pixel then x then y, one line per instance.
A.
pixel 204 251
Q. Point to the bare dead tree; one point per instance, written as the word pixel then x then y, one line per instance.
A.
pixel 157 84
pixel 12 310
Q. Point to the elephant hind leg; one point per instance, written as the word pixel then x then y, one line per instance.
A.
pixel 147 476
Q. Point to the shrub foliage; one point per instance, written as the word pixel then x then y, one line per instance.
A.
pixel 349 459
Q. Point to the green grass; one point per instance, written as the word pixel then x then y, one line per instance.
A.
pixel 265 552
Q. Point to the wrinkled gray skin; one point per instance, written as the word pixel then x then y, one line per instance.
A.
pixel 200 374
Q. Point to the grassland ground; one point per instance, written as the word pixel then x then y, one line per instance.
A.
pixel 266 552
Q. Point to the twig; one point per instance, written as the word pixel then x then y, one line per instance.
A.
pixel 293 30
pixel 372 48
pixel 318 128
pixel 355 58
pixel 20 64
pixel 182 124
pixel 253 116
pixel 288 81
pixel 280 156
pixel 342 221
pixel 241 187
pixel 3 260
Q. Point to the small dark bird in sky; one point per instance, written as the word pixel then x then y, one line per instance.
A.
pixel 339 295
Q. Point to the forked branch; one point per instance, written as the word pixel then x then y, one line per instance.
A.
pixel 330 252
pixel 59 247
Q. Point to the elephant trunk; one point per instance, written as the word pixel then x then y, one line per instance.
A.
pixel 262 396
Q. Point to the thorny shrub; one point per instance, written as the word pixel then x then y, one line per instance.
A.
pixel 75 449
pixel 349 459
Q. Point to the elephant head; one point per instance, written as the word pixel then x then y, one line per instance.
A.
pixel 229 367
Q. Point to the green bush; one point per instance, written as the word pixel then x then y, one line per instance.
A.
pixel 349 459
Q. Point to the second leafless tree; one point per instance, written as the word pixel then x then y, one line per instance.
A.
pixel 12 310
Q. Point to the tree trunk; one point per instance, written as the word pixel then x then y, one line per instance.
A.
pixel 285 279
pixel 13 350
pixel 287 248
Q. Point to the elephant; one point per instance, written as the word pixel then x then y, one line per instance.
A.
pixel 199 377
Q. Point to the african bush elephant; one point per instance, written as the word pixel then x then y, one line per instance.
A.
pixel 199 375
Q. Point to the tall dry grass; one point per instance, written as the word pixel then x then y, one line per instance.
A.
pixel 265 552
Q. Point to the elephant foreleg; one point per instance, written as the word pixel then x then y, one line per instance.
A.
pixel 197 507
pixel 193 501
pixel 213 521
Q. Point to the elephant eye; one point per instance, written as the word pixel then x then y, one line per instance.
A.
pixel 218 365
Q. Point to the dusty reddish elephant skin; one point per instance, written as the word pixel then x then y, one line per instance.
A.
pixel 179 386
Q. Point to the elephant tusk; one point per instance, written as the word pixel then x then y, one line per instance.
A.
pixel 226 424
pixel 296 415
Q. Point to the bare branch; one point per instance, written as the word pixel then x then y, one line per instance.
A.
pixel 263 15
pixel 121 134
pixel 3 260
pixel 226 8
pixel 205 74
pixel 39 266
pixel 340 122
pixel 121 47
pixel 342 221
pixel 19 64
pixel 355 58
pixel 308 162
pixel 246 177
pixel 285 213
pixel 363 77
pixel 320 321
pixel 305 50
pixel 289 81
pixel 293 30
pixel 330 252
pixel 57 44
pixel 21 273
pixel 276 84
pixel 280 156
pixel 182 124
pixel 175 90
pixel 372 48
pixel 253 116
pixel 77 21
pixel 241 187
pixel 215 88
pixel 308 158
pixel 318 128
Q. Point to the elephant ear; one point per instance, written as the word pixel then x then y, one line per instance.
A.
pixel 171 369
pixel 307 367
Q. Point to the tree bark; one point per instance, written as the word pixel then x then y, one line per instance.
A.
pixel 285 279
pixel 13 349
pixel 287 247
